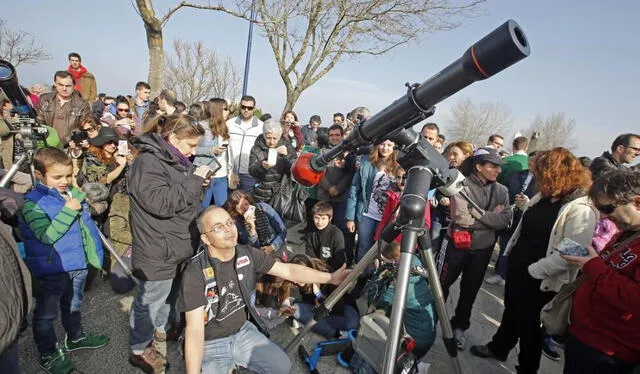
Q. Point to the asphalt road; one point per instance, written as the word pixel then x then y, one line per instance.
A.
pixel 103 311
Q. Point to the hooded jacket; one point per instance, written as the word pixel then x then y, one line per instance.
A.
pixel 267 179
pixel 165 200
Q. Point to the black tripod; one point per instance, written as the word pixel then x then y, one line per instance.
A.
pixel 425 168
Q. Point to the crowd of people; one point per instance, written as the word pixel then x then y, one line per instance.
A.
pixel 191 196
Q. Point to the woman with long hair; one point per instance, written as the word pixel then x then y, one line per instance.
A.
pixel 367 194
pixel 215 147
pixel 291 129
pixel 163 185
pixel 259 225
pixel 102 163
pixel 272 300
pixel 536 272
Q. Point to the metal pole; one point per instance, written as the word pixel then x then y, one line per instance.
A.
pixel 247 59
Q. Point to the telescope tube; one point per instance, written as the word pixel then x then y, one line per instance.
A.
pixel 11 88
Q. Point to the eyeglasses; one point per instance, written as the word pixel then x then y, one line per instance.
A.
pixel 126 110
pixel 605 208
pixel 220 227
pixel 634 148
pixel 244 107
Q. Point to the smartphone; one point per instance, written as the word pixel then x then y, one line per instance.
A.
pixel 570 247
pixel 273 156
pixel 250 211
pixel 123 147
pixel 224 145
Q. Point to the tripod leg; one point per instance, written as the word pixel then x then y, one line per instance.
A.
pixel 323 310
pixel 14 168
pixel 424 244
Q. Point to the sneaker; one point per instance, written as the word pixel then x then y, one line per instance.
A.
pixel 423 367
pixel 549 350
pixel 484 352
pixel 86 341
pixel 56 363
pixel 495 279
pixel 558 341
pixel 458 335
pixel 150 361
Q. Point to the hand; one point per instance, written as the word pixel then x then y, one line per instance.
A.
pixel 444 201
pixel 73 204
pixel 84 143
pixel 249 217
pixel 339 275
pixel 579 261
pixel 498 209
pixel 234 181
pixel 333 191
pixel 72 144
pixel 268 249
pixel 351 226
pixel 282 150
pixel 129 158
pixel 286 311
pixel 126 122
pixel 206 182
pixel 121 160
pixel 202 171
pixel 266 165
pixel 218 150
pixel 521 200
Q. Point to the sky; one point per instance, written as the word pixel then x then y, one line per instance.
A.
pixel 584 60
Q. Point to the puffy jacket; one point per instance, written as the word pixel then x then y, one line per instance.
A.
pixel 267 179
pixel 165 201
pixel 79 109
pixel 241 140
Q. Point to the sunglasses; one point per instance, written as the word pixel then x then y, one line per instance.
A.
pixel 123 110
pixel 244 107
pixel 605 208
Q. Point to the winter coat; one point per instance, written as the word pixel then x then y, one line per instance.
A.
pixel 268 179
pixel 88 87
pixel 339 177
pixel 360 191
pixel 576 220
pixel 165 201
pixel 603 164
pixel 79 109
pixel 241 140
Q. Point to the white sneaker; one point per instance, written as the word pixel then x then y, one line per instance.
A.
pixel 423 367
pixel 495 279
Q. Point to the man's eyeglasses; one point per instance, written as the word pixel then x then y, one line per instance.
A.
pixel 126 110
pixel 220 227
pixel 634 148
pixel 244 107
pixel 605 208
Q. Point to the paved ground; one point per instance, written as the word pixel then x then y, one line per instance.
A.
pixel 106 312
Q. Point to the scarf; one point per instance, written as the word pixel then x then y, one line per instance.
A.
pixel 263 227
pixel 77 74
pixel 182 159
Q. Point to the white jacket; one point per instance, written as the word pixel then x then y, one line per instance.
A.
pixel 242 139
pixel 576 220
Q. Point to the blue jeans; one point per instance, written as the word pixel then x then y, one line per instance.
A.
pixel 150 311
pixel 63 291
pixel 10 360
pixel 330 326
pixel 501 262
pixel 247 348
pixel 366 230
pixel 247 183
pixel 216 193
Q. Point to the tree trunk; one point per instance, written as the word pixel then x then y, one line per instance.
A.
pixel 292 99
pixel 156 58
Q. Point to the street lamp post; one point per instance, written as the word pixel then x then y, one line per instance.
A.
pixel 247 60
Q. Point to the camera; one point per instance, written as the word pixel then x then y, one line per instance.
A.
pixel 78 136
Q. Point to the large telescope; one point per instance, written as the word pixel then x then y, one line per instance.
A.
pixel 9 84
pixel 500 49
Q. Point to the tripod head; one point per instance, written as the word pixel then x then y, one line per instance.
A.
pixel 26 126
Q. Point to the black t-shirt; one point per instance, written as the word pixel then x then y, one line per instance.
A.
pixel 225 294
pixel 537 224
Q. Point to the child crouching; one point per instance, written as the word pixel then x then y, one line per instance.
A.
pixel 61 241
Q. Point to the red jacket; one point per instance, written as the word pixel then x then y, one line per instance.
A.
pixel 606 308
pixel 392 202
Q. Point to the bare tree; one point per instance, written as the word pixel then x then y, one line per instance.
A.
pixel 196 73
pixel 475 123
pixel 555 130
pixel 309 37
pixel 20 47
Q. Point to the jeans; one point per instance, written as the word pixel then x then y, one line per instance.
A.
pixel 150 311
pixel 580 358
pixel 330 326
pixel 63 291
pixel 247 348
pixel 472 264
pixel 366 231
pixel 216 193
pixel 10 360
pixel 247 183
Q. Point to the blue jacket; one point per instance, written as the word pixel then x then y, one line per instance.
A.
pixel 360 191
pixel 278 230
pixel 67 254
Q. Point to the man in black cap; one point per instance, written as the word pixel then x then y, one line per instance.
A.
pixel 472 234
